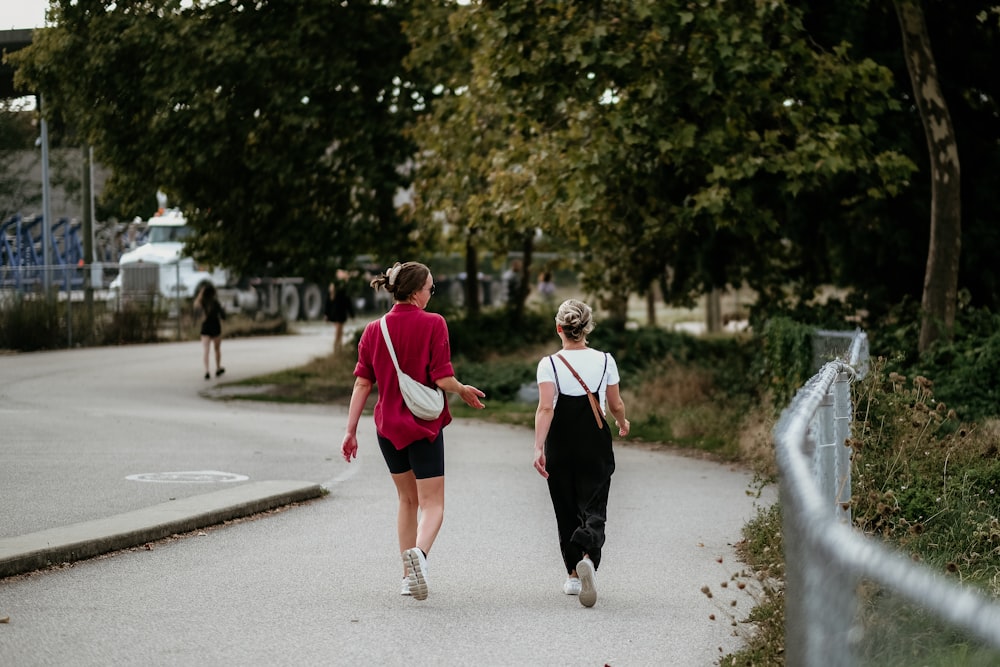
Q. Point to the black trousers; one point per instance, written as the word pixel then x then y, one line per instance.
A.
pixel 580 462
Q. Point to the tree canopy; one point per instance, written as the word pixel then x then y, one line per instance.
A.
pixel 277 126
pixel 652 136
pixel 698 144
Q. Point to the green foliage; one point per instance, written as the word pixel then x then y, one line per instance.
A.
pixel 928 485
pixel 636 349
pixel 32 324
pixel 883 251
pixel 677 134
pixel 762 550
pixel 785 361
pixel 17 139
pixel 493 333
pixel 682 389
pixel 277 126
pixel 925 483
pixel 925 480
pixel 499 379
pixel 967 368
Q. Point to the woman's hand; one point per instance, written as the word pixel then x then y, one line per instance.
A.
pixel 540 462
pixel 349 447
pixel 624 427
pixel 471 396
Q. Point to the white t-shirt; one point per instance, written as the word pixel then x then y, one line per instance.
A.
pixel 589 364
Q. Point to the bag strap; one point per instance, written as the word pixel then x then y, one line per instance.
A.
pixel 388 343
pixel 590 394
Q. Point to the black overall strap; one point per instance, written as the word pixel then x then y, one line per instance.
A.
pixel 555 375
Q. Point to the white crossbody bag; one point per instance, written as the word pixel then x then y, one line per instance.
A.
pixel 423 401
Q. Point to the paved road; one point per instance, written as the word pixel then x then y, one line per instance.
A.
pixel 317 582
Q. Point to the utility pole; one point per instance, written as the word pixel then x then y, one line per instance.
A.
pixel 46 203
pixel 88 231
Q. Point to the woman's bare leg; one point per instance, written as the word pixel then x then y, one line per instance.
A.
pixel 205 343
pixel 338 336
pixel 430 497
pixel 406 518
pixel 217 342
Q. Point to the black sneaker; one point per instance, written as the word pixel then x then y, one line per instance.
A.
pixel 207 376
pixel 220 372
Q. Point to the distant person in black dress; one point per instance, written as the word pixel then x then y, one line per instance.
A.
pixel 207 302
pixel 338 310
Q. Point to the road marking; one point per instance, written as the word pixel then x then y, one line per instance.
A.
pixel 189 477
pixel 349 471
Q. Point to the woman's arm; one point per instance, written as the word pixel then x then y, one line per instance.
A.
pixel 543 420
pixel 616 406
pixel 359 396
pixel 466 392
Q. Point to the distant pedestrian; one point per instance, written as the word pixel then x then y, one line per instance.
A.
pixel 339 309
pixel 207 301
pixel 547 288
pixel 511 279
pixel 573 443
pixel 413 448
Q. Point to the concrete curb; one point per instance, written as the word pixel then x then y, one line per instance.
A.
pixel 36 551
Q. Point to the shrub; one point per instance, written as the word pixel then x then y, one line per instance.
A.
pixel 923 480
pixel 30 324
pixel 785 359
pixel 494 333
pixel 499 380
pixel 134 322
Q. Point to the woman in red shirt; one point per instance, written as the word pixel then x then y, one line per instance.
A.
pixel 413 448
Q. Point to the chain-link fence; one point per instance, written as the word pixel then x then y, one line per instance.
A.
pixel 832 570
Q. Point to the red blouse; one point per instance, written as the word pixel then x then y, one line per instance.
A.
pixel 424 353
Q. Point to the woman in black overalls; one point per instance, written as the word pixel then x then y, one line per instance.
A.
pixel 573 443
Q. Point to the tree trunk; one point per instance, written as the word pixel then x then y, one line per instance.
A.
pixel 651 305
pixel 713 311
pixel 943 253
pixel 522 268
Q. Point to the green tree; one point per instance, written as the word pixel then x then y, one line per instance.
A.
pixel 656 135
pixel 276 125
pixel 471 147
pixel 17 140
pixel 884 255
pixel 940 294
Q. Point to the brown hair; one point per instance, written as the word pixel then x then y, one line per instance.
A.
pixel 402 280
pixel 206 295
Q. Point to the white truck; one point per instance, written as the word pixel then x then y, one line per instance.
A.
pixel 157 267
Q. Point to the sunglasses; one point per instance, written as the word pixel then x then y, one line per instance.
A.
pixel 432 288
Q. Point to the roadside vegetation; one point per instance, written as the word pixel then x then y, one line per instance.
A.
pixel 926 480
pixel 33 323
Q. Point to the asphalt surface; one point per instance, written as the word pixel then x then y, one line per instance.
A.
pixel 123 452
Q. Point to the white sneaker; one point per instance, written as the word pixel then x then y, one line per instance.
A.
pixel 416 567
pixel 405 587
pixel 572 586
pixel 588 585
